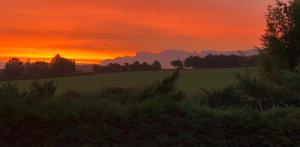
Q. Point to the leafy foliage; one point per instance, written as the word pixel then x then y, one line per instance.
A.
pixel 124 116
pixel 281 41
pixel 40 91
pixel 257 93
pixel 165 87
pixel 226 97
pixel 9 90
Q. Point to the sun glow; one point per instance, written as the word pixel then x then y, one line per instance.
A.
pixel 95 30
pixel 45 54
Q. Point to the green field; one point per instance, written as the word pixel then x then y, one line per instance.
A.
pixel 191 80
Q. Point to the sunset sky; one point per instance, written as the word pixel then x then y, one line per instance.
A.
pixel 99 29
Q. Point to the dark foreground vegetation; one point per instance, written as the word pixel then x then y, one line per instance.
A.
pixel 159 115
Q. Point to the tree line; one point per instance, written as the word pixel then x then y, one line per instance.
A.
pixel 15 68
pixel 136 66
pixel 215 61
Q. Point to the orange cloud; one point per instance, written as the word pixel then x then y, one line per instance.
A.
pixel 98 29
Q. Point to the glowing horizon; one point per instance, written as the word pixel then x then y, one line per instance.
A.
pixel 100 29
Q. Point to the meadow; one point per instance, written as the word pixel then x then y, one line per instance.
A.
pixel 191 80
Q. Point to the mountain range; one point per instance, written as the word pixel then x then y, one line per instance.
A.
pixel 165 57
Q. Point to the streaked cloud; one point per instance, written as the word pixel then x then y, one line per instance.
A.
pixel 109 28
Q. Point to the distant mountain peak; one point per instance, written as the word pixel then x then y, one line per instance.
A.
pixel 165 57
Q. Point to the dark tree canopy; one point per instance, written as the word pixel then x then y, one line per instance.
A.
pixel 62 65
pixel 14 68
pixel 37 68
pixel 156 65
pixel 282 38
pixel 177 64
pixel 219 61
pixel 136 66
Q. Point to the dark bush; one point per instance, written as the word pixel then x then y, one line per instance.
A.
pixel 257 93
pixel 226 97
pixel 165 87
pixel 39 91
pixel 9 90
pixel 124 117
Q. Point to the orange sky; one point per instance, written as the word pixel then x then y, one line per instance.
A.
pixel 98 29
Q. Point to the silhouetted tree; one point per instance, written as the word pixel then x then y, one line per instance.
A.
pixel 156 65
pixel 136 66
pixel 126 66
pixel 114 67
pixel 219 61
pixel 62 65
pixel 144 66
pixel 281 40
pixel 192 62
pixel 14 68
pixel 37 68
pixel 177 64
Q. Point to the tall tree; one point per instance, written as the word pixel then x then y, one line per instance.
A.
pixel 62 65
pixel 282 39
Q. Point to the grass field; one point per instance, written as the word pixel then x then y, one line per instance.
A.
pixel 190 82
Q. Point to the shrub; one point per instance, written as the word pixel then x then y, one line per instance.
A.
pixel 165 87
pixel 257 93
pixel 9 90
pixel 40 91
pixel 226 97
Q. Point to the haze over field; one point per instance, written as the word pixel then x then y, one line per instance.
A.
pixel 92 29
